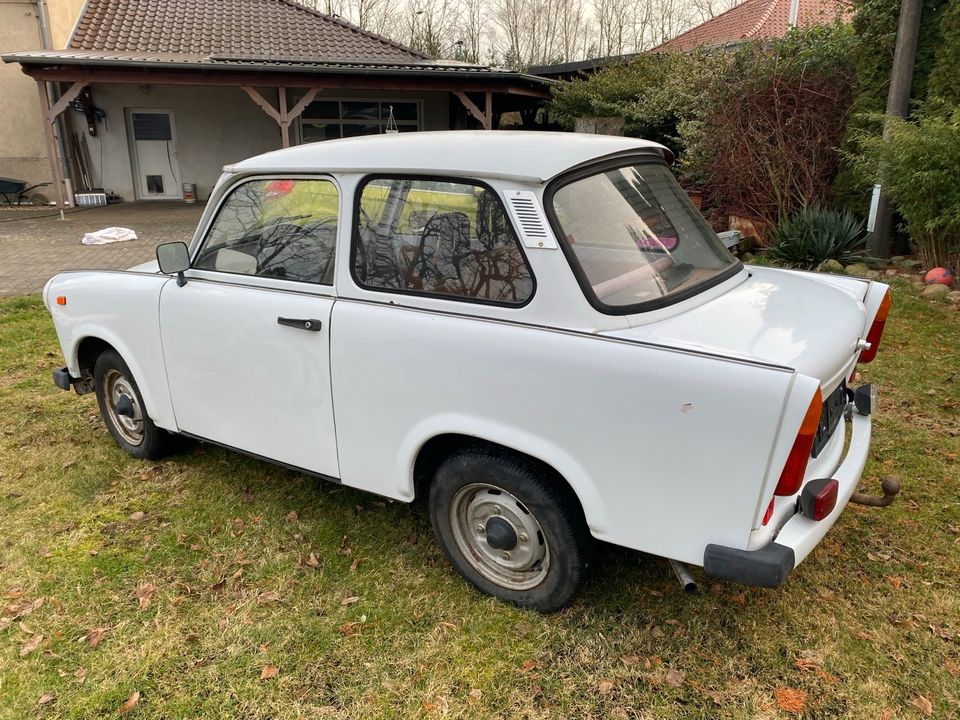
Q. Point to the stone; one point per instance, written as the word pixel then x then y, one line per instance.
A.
pixel 831 266
pixel 897 260
pixel 747 257
pixel 912 264
pixel 857 270
pixel 891 272
pixel 919 285
pixel 935 292
pixel 873 275
pixel 954 297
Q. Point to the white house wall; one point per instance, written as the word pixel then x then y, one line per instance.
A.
pixel 214 126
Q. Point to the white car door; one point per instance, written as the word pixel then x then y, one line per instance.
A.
pixel 246 341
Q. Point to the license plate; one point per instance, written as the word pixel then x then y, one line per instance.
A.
pixel 830 416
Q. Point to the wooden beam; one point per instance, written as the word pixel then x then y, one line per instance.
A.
pixel 291 80
pixel 297 110
pixel 68 97
pixel 488 122
pixel 51 143
pixel 262 102
pixel 473 109
pixel 284 119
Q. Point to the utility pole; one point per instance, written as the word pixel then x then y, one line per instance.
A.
pixel 898 105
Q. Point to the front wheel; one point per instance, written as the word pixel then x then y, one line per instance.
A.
pixel 510 529
pixel 123 412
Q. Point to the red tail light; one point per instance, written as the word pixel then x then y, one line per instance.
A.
pixel 876 330
pixel 769 513
pixel 792 475
pixel 819 498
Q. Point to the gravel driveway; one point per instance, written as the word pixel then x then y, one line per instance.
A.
pixel 35 244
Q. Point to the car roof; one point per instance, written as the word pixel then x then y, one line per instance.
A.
pixel 530 156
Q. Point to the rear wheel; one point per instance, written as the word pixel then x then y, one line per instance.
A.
pixel 509 528
pixel 123 411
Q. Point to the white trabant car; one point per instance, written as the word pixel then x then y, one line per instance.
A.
pixel 536 332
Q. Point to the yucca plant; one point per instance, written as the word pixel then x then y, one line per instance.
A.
pixel 816 234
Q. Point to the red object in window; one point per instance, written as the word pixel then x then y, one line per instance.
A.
pixel 278 188
pixel 876 330
pixel 792 475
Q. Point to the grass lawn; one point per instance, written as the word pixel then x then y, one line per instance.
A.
pixel 218 586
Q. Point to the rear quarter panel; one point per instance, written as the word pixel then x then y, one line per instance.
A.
pixel 666 450
pixel 120 308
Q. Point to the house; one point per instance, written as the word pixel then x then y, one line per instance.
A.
pixel 157 93
pixel 27 25
pixel 756 20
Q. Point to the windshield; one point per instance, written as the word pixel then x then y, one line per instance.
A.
pixel 637 238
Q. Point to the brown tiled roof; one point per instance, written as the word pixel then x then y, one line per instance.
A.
pixel 755 19
pixel 263 29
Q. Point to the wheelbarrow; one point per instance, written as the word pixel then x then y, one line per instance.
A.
pixel 16 191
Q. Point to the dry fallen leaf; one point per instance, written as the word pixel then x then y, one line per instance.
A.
pixel 922 704
pixel 475 694
pixel 144 593
pixel 129 704
pixel 313 561
pixel 893 580
pixel 269 596
pixel 629 660
pixel 46 698
pixel 292 515
pixel 95 636
pixel 675 678
pixel 349 629
pixel 527 666
pixel 349 600
pixel 605 687
pixel 30 645
pixel 137 516
pixel 790 700
pixel 268 671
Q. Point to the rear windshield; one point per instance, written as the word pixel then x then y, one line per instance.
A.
pixel 635 239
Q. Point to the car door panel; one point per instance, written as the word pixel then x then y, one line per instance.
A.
pixel 241 378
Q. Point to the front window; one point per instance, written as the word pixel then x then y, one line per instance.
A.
pixel 283 228
pixel 635 239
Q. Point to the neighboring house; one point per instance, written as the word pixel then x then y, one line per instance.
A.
pixel 27 25
pixel 156 93
pixel 750 20
pixel 756 20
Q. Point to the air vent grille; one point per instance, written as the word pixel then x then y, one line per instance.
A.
pixel 529 217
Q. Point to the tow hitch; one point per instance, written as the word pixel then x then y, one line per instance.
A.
pixel 890 489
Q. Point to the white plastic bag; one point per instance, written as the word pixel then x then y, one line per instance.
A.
pixel 108 235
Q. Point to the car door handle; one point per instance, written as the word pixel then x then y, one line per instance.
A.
pixel 311 324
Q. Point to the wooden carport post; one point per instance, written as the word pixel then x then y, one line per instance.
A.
pixel 486 116
pixel 49 116
pixel 283 117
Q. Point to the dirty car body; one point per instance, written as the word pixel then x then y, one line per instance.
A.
pixel 536 331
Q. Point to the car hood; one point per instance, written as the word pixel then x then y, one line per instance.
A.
pixel 777 317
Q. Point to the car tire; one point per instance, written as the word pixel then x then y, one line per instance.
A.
pixel 515 531
pixel 123 411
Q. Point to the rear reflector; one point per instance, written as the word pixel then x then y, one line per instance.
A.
pixel 61 299
pixel 819 498
pixel 769 513
pixel 876 330
pixel 792 475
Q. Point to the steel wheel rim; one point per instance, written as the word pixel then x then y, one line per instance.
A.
pixel 478 507
pixel 115 387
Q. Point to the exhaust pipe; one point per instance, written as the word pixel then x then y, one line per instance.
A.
pixel 683 575
pixel 890 489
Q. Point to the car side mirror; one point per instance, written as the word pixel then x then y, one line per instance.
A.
pixel 173 258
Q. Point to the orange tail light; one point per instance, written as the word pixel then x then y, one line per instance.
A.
pixel 876 330
pixel 791 478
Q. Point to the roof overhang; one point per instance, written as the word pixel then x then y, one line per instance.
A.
pixel 67 66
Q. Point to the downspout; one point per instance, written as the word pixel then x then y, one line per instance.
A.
pixel 792 15
pixel 54 94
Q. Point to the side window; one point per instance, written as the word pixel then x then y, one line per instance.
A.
pixel 438 238
pixel 278 228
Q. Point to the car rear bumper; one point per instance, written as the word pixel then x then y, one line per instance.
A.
pixel 770 565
